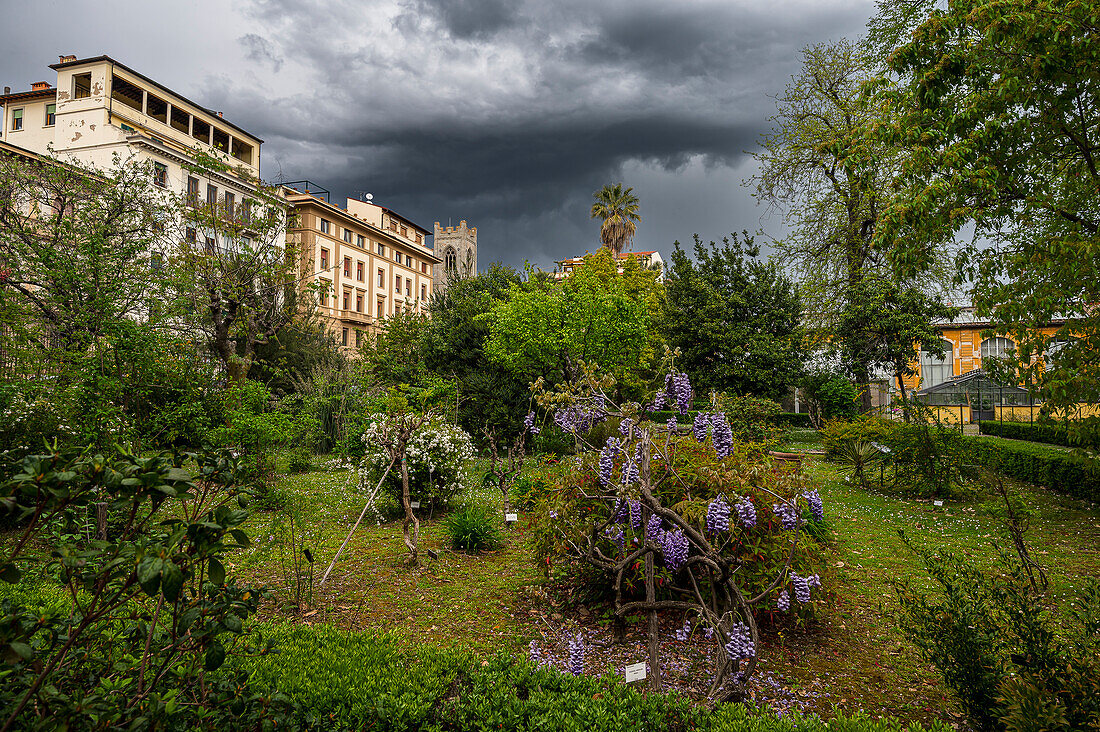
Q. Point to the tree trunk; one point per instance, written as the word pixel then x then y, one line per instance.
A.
pixel 654 649
pixel 410 518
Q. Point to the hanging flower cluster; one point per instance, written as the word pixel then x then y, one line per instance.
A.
pixel 740 644
pixel 787 513
pixel 576 655
pixel 607 460
pixel 746 512
pixel 817 508
pixel 679 390
pixel 576 419
pixel 718 515
pixel 529 424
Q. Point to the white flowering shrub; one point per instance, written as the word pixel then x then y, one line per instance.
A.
pixel 438 454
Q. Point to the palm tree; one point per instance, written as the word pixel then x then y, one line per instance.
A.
pixel 618 207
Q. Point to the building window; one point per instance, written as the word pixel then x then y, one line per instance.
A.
pixel 82 86
pixel 160 175
pixel 230 204
pixel 347 299
pixel 191 235
pixel 242 151
pixel 404 232
pixel 344 337
pixel 450 261
pixel 192 190
pixel 381 249
pixel 359 271
pixel 397 257
pixel 51 115
pixel 200 130
pixel 347 266
pixel 423 292
pixel 211 195
pixel 324 259
pixel 156 108
pixel 381 278
pixel 358 303
pixel 397 284
pixel 408 287
pixel 361 241
pixel 393 225
pixel 935 370
pixel 126 93
pixel 221 140
pixel 347 235
pixel 381 309
pixel 325 226
pixel 181 121
pixel 419 238
pixel 322 295
pixel 211 243
pixel 408 261
pixel 996 347
pixel 16 120
pixel 358 337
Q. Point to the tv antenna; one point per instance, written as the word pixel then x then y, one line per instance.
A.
pixel 365 197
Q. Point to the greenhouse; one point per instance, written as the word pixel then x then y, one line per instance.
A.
pixel 977 390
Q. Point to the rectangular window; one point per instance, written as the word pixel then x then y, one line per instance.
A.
pixel 324 259
pixel 408 287
pixel 200 130
pixel 191 235
pixel 347 299
pixel 381 309
pixel 181 121
pixel 16 120
pixel 408 261
pixel 361 242
pixel 423 292
pixel 230 204
pixel 404 232
pixel 325 226
pixel 322 295
pixel 51 115
pixel 358 303
pixel 381 249
pixel 160 175
pixel 393 225
pixel 347 235
pixel 242 151
pixel 126 93
pixel 246 211
pixel 419 238
pixel 221 140
pixel 82 86
pixel 347 266
pixel 211 195
pixel 397 284
pixel 397 257
pixel 156 108
pixel 192 190
pixel 358 337
pixel 381 278
pixel 344 337
pixel 359 271
pixel 210 244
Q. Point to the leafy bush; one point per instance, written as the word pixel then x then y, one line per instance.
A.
pixel 867 428
pixel 1073 434
pixel 437 457
pixel 344 680
pixel 1059 471
pixel 299 460
pixel 751 419
pixel 829 396
pixel 793 419
pixel 474 529
pixel 930 459
pixel 1013 664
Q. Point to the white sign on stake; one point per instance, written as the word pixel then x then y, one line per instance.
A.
pixel 635 672
pixel 937 503
pixel 414 504
pixel 511 517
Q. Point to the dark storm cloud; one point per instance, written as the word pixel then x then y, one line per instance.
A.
pixel 509 114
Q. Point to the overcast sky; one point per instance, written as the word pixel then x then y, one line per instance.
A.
pixel 508 114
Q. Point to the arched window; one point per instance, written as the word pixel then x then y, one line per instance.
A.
pixel 996 347
pixel 450 260
pixel 935 370
pixel 1054 348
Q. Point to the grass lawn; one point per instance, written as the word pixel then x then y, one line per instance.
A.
pixel 853 658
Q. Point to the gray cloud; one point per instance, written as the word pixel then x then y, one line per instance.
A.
pixel 259 49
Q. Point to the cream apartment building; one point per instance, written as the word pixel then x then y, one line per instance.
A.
pixel 369 261
pixel 100 108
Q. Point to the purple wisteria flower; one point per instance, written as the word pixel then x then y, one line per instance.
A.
pixel 801 588
pixel 701 426
pixel 784 601
pixel 576 419
pixel 672 424
pixel 621 513
pixel 740 644
pixel 636 514
pixel 787 513
pixel 536 654
pixel 529 423
pixel 683 633
pixel 659 400
pixel 653 530
pixel 616 535
pixel 718 515
pixel 722 435
pixel 679 390
pixel 814 580
pixel 607 460
pixel 676 547
pixel 576 655
pixel 746 512
pixel 817 508
pixel 625 425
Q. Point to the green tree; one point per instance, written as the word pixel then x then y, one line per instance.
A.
pixel 454 345
pixel 735 319
pixel 997 111
pixel 618 207
pixel 545 329
pixel 882 324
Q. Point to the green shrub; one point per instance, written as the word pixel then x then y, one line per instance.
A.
pixel 1063 472
pixel 474 529
pixel 299 460
pixel 866 428
pixel 751 419
pixel 1079 433
pixel 930 459
pixel 793 419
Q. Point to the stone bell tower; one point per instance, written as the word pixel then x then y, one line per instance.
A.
pixel 457 247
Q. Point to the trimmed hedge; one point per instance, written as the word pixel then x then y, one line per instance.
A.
pixel 345 680
pixel 784 419
pixel 1051 434
pixel 1064 472
pixel 794 419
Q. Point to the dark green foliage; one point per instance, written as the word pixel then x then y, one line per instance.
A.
pixel 1063 472
pixel 1013 664
pixel 829 396
pixel 1051 433
pixel 793 419
pixel 299 460
pixel 734 318
pixel 296 351
pixel 474 529
pixel 751 419
pixel 345 681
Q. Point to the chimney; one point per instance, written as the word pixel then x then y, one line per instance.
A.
pixel 219 114
pixel 65 59
pixel 7 90
pixel 40 86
